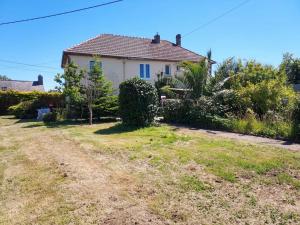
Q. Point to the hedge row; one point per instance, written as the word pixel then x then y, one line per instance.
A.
pixel 10 98
pixel 204 114
pixel 201 114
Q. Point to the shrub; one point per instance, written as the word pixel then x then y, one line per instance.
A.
pixel 11 98
pixel 50 117
pixel 201 113
pixel 138 102
pixel 106 106
pixel 25 110
pixel 176 111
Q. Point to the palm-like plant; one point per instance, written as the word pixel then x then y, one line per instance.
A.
pixel 194 77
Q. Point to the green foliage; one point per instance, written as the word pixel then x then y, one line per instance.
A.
pixel 252 85
pixel 202 113
pixel 163 85
pixel 263 89
pixel 85 91
pixel 291 67
pixel 195 77
pixel 70 82
pixel 45 99
pixel 137 102
pixel 25 109
pixel 106 106
pixel 275 129
pixel 225 70
pixel 50 117
pixel 95 86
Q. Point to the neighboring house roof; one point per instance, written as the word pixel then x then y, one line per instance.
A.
pixel 108 45
pixel 19 85
pixel 297 87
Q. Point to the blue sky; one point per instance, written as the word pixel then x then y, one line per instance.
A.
pixel 261 29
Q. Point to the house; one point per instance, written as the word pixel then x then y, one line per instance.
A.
pixel 124 57
pixel 20 85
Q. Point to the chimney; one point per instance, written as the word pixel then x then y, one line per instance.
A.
pixel 178 39
pixel 156 39
pixel 40 80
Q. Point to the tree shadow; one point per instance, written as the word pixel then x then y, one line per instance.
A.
pixel 34 125
pixel 117 129
pixel 64 123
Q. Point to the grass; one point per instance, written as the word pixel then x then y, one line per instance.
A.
pixel 263 128
pixel 185 178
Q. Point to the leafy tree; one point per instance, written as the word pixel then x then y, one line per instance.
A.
pixel 3 77
pixel 94 87
pixel 83 90
pixel 70 82
pixel 70 85
pixel 263 88
pixel 291 66
pixel 225 70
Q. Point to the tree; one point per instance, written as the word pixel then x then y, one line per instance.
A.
pixel 195 77
pixel 224 72
pixel 291 66
pixel 70 85
pixel 94 87
pixel 263 88
pixel 3 77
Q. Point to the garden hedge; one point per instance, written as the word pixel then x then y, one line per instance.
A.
pixel 138 102
pixel 11 98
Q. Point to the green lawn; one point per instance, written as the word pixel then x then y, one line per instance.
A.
pixel 157 175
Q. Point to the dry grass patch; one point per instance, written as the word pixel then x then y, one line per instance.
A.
pixel 158 175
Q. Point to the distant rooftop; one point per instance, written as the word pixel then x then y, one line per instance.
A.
pixel 20 85
pixel 133 47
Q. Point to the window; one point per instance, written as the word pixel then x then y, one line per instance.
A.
pixel 167 70
pixel 3 88
pixel 178 68
pixel 92 64
pixel 145 71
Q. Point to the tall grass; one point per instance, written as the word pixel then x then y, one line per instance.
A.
pixel 274 129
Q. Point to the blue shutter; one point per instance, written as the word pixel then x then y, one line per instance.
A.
pixel 100 64
pixel 141 70
pixel 147 71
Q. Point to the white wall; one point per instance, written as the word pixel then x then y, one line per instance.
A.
pixel 114 68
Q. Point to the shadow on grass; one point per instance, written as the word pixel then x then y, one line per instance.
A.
pixel 64 123
pixel 117 129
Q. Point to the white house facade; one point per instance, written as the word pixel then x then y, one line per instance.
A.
pixel 127 57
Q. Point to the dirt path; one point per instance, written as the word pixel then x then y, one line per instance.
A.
pixel 242 137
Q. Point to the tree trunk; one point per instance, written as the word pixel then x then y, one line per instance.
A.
pixel 91 115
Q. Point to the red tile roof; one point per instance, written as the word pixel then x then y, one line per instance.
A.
pixel 132 47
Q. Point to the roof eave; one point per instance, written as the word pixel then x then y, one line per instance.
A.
pixel 68 53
